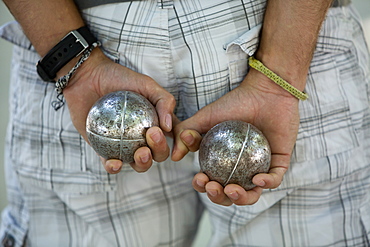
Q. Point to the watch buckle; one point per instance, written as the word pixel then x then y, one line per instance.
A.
pixel 81 40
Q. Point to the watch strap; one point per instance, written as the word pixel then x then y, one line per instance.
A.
pixel 72 45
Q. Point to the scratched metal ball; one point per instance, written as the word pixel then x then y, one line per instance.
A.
pixel 117 123
pixel 232 152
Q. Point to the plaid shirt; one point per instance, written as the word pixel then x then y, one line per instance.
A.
pixel 59 193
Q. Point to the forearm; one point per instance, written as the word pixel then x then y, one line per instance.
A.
pixel 289 36
pixel 45 22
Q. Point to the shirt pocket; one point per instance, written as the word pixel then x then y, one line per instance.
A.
pixel 333 119
pixel 326 125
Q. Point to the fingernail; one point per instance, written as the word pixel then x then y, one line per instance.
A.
pixel 212 193
pixel 156 136
pixel 200 183
pixel 115 168
pixel 233 195
pixel 114 165
pixel 188 139
pixel 261 183
pixel 144 159
pixel 168 121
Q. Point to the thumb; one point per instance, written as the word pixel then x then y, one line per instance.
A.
pixel 187 135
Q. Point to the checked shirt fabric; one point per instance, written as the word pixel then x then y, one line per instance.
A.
pixel 60 195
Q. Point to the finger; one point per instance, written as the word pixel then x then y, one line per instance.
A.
pixel 199 182
pixel 185 141
pixel 191 139
pixel 189 131
pixel 175 121
pixel 187 137
pixel 239 196
pixel 269 180
pixel 143 159
pixel 215 193
pixel 158 144
pixel 165 119
pixel 165 104
pixel 179 149
pixel 165 107
pixel 112 166
pixel 272 179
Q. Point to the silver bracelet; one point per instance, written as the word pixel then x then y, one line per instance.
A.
pixel 63 81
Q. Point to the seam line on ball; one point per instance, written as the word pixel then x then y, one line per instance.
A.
pixel 123 127
pixel 246 140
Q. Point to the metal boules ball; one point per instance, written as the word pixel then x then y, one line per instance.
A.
pixel 117 123
pixel 232 152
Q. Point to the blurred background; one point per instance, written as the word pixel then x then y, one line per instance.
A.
pixel 363 7
pixel 5 55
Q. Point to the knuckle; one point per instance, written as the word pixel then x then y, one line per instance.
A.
pixel 275 184
pixel 171 100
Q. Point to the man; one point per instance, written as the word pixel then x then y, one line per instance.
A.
pixel 190 59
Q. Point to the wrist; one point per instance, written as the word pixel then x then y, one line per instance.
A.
pixel 265 86
pixel 66 68
pixel 75 43
pixel 63 81
pixel 288 68
pixel 259 66
pixel 89 70
pixel 78 67
pixel 288 38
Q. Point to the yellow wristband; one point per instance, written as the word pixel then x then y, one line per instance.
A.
pixel 257 65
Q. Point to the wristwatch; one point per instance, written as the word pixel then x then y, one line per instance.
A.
pixel 72 45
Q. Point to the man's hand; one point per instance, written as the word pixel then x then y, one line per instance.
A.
pixel 287 42
pixel 257 101
pixel 96 77
pixel 99 76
